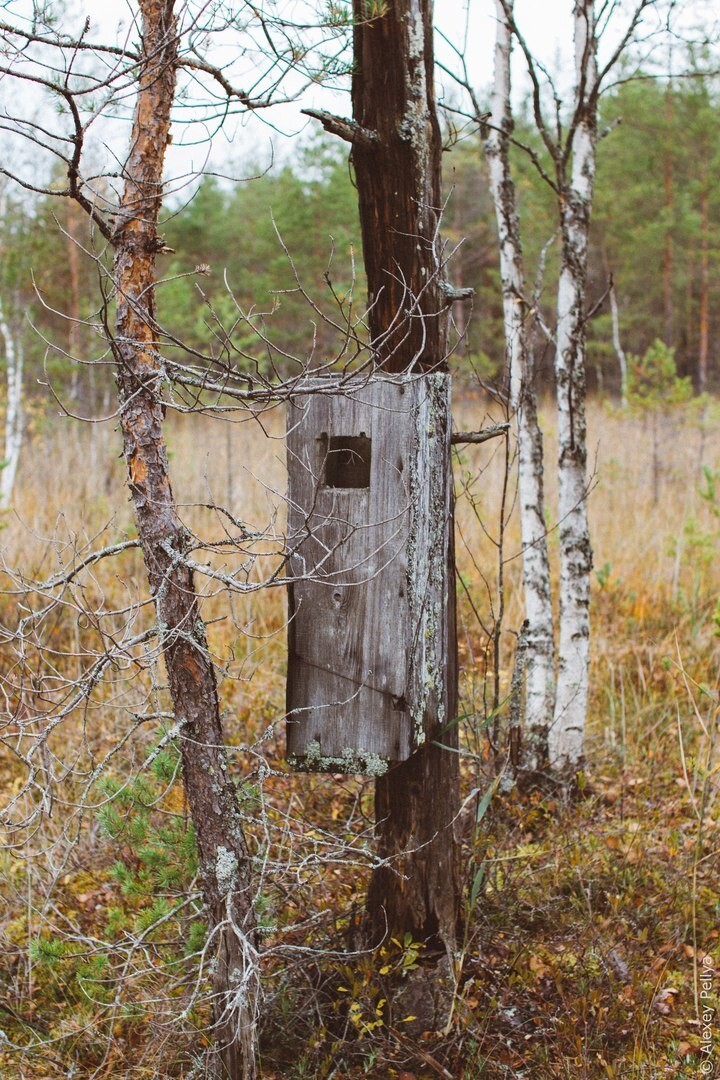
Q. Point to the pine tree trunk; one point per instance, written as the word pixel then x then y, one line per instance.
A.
pixel 668 200
pixel 539 645
pixel 397 170
pixel 223 853
pixel 566 741
pixel 398 183
pixel 73 312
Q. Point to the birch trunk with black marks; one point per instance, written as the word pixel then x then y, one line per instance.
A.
pixel 576 192
pixel 12 347
pixel 11 343
pixel 538 638
pixel 223 853
pixel 397 166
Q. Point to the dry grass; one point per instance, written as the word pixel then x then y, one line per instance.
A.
pixel 589 922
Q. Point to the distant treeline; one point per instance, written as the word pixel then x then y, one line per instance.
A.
pixel 243 255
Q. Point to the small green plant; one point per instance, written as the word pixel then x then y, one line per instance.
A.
pixel 693 552
pixel 653 382
pixel 159 856
pixel 709 491
pixel 654 391
pixel 401 957
pixel 149 888
pixel 603 574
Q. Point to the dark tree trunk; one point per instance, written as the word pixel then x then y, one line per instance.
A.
pixel 398 182
pixel 416 889
pixel 668 203
pixel 223 853
pixel 73 256
pixel 704 313
pixel 397 167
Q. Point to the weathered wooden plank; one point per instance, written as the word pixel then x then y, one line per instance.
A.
pixel 368 505
pixel 432 654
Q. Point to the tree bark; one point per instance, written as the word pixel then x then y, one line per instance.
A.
pixel 576 192
pixel 668 241
pixel 617 344
pixel 538 639
pixel 14 417
pixel 11 340
pixel 223 852
pixel 416 890
pixel 73 267
pixel 704 313
pixel 398 183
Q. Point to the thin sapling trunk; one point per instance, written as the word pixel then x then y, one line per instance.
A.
pixel 576 192
pixel 223 853
pixel 538 640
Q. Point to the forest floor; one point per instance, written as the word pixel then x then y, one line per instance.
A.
pixel 590 937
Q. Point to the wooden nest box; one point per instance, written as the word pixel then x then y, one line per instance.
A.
pixel 371 614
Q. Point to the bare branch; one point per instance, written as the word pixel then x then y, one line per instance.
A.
pixel 344 128
pixel 479 436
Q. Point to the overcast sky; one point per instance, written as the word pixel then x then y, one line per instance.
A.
pixel 547 26
pixel 246 142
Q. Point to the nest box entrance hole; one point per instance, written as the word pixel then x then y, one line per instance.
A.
pixel 347 461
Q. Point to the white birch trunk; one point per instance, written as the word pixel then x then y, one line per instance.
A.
pixel 539 640
pixel 568 729
pixel 617 345
pixel 13 350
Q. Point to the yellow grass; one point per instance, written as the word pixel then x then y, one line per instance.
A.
pixel 655 586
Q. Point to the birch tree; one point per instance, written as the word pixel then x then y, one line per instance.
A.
pixel 571 141
pixel 575 192
pixel 556 712
pixel 12 345
pixel 538 642
pixel 11 341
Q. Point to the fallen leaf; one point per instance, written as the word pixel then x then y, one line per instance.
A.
pixel 665 1000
